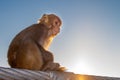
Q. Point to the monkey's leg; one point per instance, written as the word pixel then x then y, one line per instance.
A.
pixel 51 66
pixel 29 57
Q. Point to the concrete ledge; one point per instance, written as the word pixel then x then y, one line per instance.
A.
pixel 23 74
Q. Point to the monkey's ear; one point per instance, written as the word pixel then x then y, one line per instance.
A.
pixel 38 21
pixel 44 14
pixel 44 19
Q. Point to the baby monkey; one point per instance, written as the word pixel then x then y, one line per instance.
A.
pixel 29 48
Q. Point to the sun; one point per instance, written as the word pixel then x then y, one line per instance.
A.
pixel 81 67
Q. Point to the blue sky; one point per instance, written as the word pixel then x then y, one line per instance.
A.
pixel 89 42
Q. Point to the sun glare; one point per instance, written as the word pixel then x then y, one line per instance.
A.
pixel 82 67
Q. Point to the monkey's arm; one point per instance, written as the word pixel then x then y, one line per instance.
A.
pixel 48 60
pixel 49 63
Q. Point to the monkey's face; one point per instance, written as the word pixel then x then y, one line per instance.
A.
pixel 55 24
pixel 52 22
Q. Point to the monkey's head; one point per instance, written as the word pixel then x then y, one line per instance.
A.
pixel 52 22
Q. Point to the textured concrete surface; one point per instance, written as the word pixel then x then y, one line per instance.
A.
pixel 23 74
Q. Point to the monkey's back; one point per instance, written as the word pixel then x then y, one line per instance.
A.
pixel 22 41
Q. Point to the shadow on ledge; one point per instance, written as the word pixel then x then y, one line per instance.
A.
pixel 23 74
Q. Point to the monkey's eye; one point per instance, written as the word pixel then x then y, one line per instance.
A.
pixel 56 23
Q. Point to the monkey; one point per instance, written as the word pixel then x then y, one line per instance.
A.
pixel 29 48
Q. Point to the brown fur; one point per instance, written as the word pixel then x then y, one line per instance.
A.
pixel 29 49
